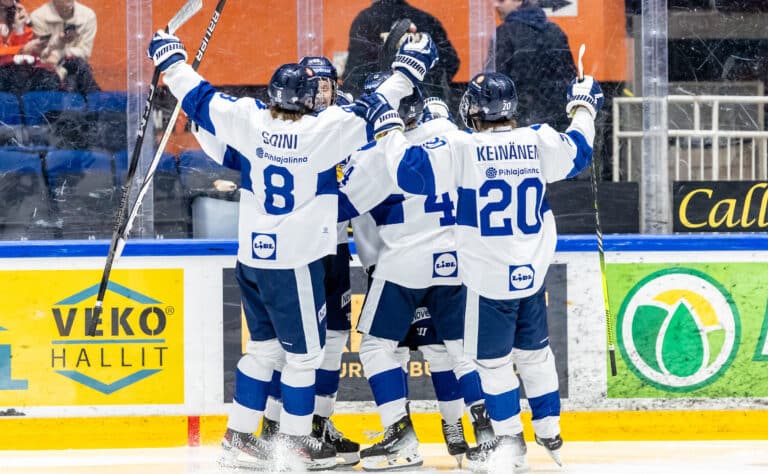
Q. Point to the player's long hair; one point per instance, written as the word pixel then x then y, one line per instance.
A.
pixel 481 126
pixel 278 113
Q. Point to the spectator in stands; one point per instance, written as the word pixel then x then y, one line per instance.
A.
pixel 20 67
pixel 368 33
pixel 71 27
pixel 534 52
pixel 16 32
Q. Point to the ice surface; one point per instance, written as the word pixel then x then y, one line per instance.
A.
pixel 671 457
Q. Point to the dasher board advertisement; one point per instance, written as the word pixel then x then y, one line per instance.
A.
pixel 136 357
pixel 720 206
pixel 690 330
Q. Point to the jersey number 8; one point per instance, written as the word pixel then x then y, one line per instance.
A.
pixel 278 190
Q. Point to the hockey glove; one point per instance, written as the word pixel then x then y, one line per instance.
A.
pixel 435 107
pixel 166 50
pixel 375 109
pixel 585 93
pixel 415 57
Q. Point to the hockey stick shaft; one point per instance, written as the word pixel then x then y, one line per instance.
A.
pixel 600 249
pixel 182 16
pixel 167 134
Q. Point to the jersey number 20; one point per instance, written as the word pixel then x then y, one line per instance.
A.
pixel 528 196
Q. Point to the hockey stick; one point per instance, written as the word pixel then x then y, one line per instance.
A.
pixel 392 43
pixel 600 249
pixel 167 134
pixel 182 16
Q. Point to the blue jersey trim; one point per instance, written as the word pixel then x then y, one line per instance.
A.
pixel 390 211
pixel 233 159
pixel 414 172
pixel 326 182
pixel 196 105
pixel 347 210
pixel 245 174
pixel 226 247
pixel 466 209
pixel 583 153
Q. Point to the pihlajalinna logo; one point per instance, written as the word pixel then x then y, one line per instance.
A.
pixel 678 329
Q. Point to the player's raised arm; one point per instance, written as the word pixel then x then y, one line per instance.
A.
pixel 224 116
pixel 585 98
pixel 390 164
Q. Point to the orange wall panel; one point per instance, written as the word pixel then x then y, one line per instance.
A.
pixel 254 37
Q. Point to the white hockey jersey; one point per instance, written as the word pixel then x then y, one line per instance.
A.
pixel 288 200
pixel 230 157
pixel 410 237
pixel 505 232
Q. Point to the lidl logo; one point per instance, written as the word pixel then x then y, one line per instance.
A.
pixel 678 329
pixel 136 357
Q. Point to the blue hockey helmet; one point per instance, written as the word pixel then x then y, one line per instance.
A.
pixel 325 70
pixel 490 97
pixel 293 88
pixel 410 106
pixel 322 66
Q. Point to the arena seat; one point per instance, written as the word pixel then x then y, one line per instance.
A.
pixel 42 109
pixel 10 119
pixel 25 213
pixel 82 186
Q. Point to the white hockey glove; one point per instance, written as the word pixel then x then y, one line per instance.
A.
pixel 435 107
pixel 166 50
pixel 375 109
pixel 585 93
pixel 415 57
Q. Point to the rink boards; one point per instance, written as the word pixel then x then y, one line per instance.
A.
pixel 690 317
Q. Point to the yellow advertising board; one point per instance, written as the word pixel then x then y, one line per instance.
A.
pixel 136 357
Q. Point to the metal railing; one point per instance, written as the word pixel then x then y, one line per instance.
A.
pixel 711 137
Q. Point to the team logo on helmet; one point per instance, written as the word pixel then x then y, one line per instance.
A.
pixel 678 329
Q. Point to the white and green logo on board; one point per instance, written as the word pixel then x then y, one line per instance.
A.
pixel 678 329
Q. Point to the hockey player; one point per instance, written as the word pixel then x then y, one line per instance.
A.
pixel 416 235
pixel 424 120
pixel 338 297
pixel 505 233
pixel 288 214
pixel 337 294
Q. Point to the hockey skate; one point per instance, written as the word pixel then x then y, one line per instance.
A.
pixel 269 429
pixel 347 451
pixel 399 449
pixel 498 454
pixel 300 452
pixel 454 439
pixel 552 445
pixel 243 450
pixel 481 423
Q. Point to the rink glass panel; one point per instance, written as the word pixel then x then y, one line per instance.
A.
pixel 62 178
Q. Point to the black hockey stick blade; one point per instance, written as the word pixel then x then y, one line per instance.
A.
pixel 388 51
pixel 126 229
pixel 182 16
